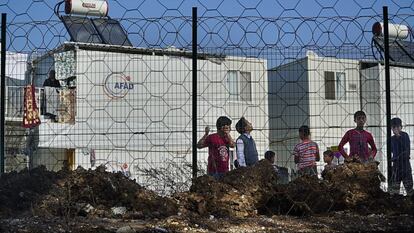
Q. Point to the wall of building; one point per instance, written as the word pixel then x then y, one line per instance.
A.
pixel 297 97
pixel 288 108
pixel 330 119
pixel 137 109
pixel 374 102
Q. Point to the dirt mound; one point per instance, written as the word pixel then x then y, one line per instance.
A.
pixel 18 191
pixel 239 193
pixel 244 192
pixel 363 179
pixel 351 186
pixel 355 183
pixel 81 192
pixel 305 195
pixel 357 187
pixel 248 191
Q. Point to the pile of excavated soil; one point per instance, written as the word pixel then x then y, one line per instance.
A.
pixel 254 190
pixel 357 187
pixel 20 191
pixel 80 192
pixel 351 186
pixel 243 192
pixel 240 193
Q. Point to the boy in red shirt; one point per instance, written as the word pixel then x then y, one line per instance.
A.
pixel 359 139
pixel 218 147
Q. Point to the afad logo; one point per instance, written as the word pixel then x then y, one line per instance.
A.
pixel 118 85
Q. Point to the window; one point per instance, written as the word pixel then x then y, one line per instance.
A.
pixel 335 85
pixel 246 86
pixel 239 85
pixel 340 86
pixel 233 85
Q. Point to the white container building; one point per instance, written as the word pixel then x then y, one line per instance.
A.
pixel 133 106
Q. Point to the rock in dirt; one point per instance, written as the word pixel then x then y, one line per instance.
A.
pixel 126 229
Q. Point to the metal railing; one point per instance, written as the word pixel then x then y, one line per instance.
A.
pixel 15 100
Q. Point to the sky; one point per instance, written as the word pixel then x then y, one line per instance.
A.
pixel 288 25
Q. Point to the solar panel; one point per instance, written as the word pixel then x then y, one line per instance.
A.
pixel 400 51
pixel 408 48
pixel 81 29
pixel 111 31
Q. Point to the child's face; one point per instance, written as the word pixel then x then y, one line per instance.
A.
pixel 249 126
pixel 396 130
pixel 360 120
pixel 272 160
pixel 327 159
pixel 225 129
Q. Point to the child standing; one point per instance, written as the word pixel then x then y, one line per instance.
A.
pixel 245 145
pixel 218 147
pixel 306 153
pixel 359 139
pixel 400 148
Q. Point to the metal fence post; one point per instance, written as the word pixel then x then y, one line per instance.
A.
pixel 3 89
pixel 194 58
pixel 387 92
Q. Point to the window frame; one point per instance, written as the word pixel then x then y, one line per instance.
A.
pixel 237 83
pixel 232 78
pixel 335 86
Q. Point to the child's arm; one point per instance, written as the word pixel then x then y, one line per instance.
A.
pixel 240 152
pixel 318 157
pixel 230 141
pixel 202 142
pixel 344 140
pixel 296 155
pixel 373 147
pixel 408 146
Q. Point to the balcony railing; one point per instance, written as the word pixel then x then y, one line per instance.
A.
pixel 15 100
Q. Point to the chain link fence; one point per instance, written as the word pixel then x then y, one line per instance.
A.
pixel 124 96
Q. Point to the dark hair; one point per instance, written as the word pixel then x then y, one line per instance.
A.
pixel 222 121
pixel 395 122
pixel 328 153
pixel 52 73
pixel 305 130
pixel 359 113
pixel 269 154
pixel 241 125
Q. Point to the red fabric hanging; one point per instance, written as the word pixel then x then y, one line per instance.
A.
pixel 31 112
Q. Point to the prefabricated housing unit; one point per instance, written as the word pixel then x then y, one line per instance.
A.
pixel 324 93
pixel 133 106
pixel 374 101
pixel 305 92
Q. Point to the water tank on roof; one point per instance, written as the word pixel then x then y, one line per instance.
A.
pixel 396 31
pixel 87 7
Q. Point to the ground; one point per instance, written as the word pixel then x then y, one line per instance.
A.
pixel 349 199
